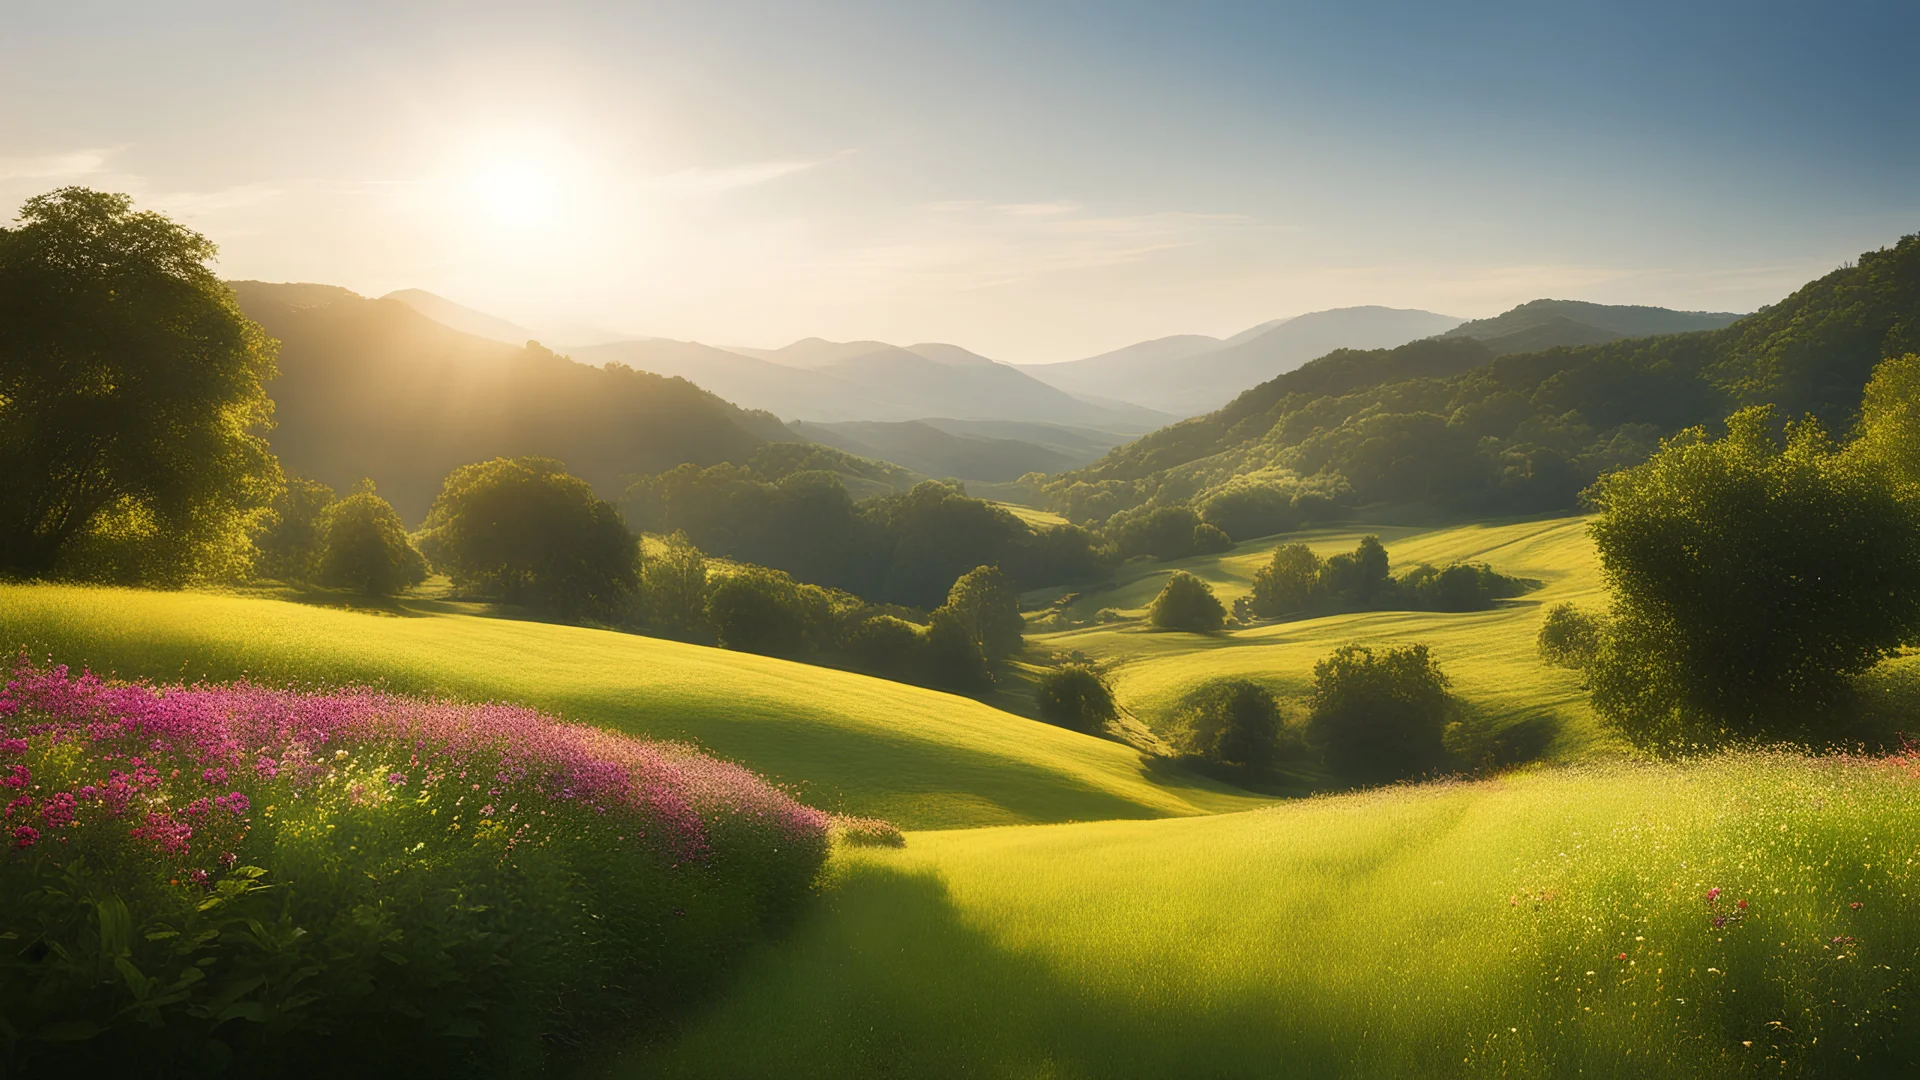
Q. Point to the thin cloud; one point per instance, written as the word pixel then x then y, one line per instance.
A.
pixel 734 177
pixel 73 163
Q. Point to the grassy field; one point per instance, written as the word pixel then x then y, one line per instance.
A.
pixel 1552 924
pixel 844 742
pixel 1490 655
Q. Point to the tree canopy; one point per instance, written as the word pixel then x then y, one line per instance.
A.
pixel 131 407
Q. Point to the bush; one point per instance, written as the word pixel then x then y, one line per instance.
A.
pixel 1288 583
pixel 1751 581
pixel 954 660
pixel 1569 638
pixel 365 548
pixel 887 646
pixel 1382 716
pixel 754 609
pixel 1229 722
pixel 1166 534
pixel 985 603
pixel 526 531
pixel 1187 603
pixel 1210 540
pixel 216 878
pixel 1077 697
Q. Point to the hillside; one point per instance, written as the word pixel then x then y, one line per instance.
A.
pixel 930 451
pixel 462 318
pixel 844 741
pixel 1446 424
pixel 1193 374
pixel 1545 324
pixel 372 388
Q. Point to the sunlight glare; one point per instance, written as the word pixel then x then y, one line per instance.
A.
pixel 516 193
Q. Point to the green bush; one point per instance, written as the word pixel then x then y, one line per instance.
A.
pixel 985 603
pixel 365 548
pixel 1210 540
pixel 954 660
pixel 1077 697
pixel 1570 637
pixel 1380 716
pixel 754 609
pixel 1187 603
pixel 1289 582
pixel 1229 722
pixel 887 646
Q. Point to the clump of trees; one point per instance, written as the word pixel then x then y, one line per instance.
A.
pixel 1232 722
pixel 1297 581
pixel 1381 715
pixel 1753 577
pixel 526 531
pixel 289 547
pixel 131 406
pixel 364 547
pixel 1187 603
pixel 1076 696
pixel 1167 533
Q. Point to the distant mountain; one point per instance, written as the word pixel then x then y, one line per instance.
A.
pixel 925 447
pixel 1546 324
pixel 836 381
pixel 373 388
pixel 462 318
pixel 1192 374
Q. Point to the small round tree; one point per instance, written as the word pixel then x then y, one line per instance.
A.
pixel 365 548
pixel 1187 603
pixel 1380 716
pixel 1077 697
pixel 1229 722
pixel 754 609
pixel 984 602
pixel 1288 582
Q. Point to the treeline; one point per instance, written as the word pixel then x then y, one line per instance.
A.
pixel 1296 581
pixel 784 509
pixel 1444 423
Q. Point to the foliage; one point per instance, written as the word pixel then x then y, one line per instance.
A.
pixel 1295 580
pixel 234 873
pixel 1380 716
pixel 887 646
pixel 755 609
pixel 1077 697
pixel 1751 579
pixel 1187 603
pixel 1888 432
pixel 525 530
pixel 130 399
pixel 1229 722
pixel 953 658
pixel 289 548
pixel 1570 637
pixel 1446 423
pixel 985 604
pixel 673 590
pixel 1288 583
pixel 364 547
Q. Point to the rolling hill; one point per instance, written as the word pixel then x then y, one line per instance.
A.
pixel 372 388
pixel 986 451
pixel 1546 324
pixel 1192 374
pixel 462 318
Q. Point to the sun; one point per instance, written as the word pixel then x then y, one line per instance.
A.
pixel 517 193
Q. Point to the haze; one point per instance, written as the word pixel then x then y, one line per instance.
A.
pixel 1035 182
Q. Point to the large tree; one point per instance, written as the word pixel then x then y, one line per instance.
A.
pixel 530 533
pixel 130 396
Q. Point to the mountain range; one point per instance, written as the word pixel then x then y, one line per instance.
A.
pixel 1546 324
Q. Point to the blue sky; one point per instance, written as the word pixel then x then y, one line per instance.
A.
pixel 1035 181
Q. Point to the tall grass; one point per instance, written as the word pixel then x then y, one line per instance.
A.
pixel 314 883
pixel 1748 915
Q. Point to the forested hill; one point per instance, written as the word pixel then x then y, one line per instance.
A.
pixel 1448 423
pixel 372 388
pixel 1545 324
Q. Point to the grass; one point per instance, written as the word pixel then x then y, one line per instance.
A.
pixel 1448 930
pixel 1489 654
pixel 844 742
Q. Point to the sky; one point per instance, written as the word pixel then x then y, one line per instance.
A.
pixel 1035 181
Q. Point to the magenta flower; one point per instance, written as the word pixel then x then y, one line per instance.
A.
pixel 397 779
pixel 13 746
pixel 1713 894
pixel 25 836
pixel 18 776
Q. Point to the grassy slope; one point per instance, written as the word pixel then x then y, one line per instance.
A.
pixel 1490 655
pixel 844 741
pixel 1470 929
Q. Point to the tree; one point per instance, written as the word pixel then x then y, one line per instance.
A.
pixel 1751 579
pixel 365 548
pixel 1380 716
pixel 1288 582
pixel 986 605
pixel 954 660
pixel 130 397
pixel 1076 697
pixel 1187 603
pixel 754 609
pixel 1888 433
pixel 1229 722
pixel 525 530
pixel 887 646
pixel 673 590
pixel 289 549
pixel 1570 638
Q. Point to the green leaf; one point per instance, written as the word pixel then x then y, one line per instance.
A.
pixel 69 1031
pixel 116 927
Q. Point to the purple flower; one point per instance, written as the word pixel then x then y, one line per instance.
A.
pixel 397 779
pixel 13 746
pixel 216 775
pixel 18 776
pixel 25 836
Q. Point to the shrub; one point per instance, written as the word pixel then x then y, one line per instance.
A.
pixel 887 646
pixel 1288 583
pixel 954 660
pixel 673 590
pixel 1569 637
pixel 1187 603
pixel 1166 534
pixel 754 609
pixel 1751 580
pixel 526 531
pixel 1229 722
pixel 1382 716
pixel 289 549
pixel 1077 697
pixel 365 548
pixel 867 832
pixel 985 603
pixel 1210 540
pixel 324 884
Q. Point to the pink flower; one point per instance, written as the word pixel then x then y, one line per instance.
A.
pixel 25 836
pixel 397 779
pixel 1713 894
pixel 234 802
pixel 1743 905
pixel 215 775
pixel 18 776
pixel 59 810
pixel 1856 905
pixel 1622 956
pixel 13 746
